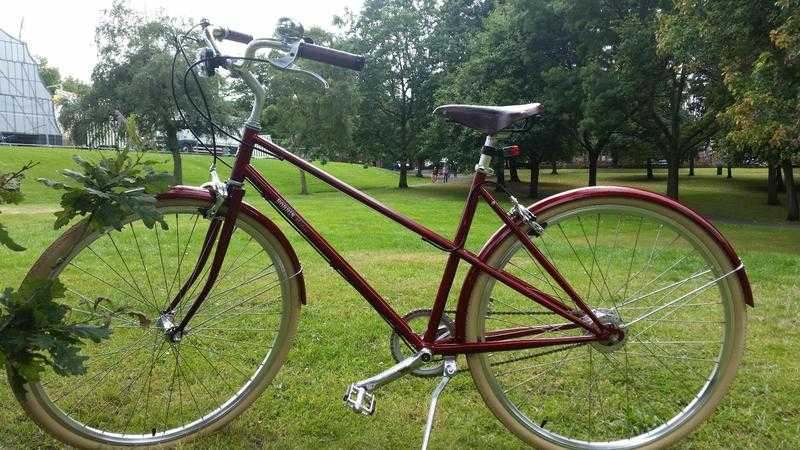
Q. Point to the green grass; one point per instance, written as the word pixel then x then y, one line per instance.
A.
pixel 741 198
pixel 341 340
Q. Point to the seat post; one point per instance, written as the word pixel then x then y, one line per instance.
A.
pixel 485 163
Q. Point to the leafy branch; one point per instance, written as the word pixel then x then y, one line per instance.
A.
pixel 10 193
pixel 111 189
pixel 35 333
pixel 36 330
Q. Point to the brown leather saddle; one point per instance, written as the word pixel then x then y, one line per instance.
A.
pixel 488 119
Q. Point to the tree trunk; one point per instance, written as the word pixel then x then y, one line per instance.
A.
pixel 791 191
pixel 593 157
pixel 403 175
pixel 172 146
pixel 649 165
pixel 719 169
pixel 772 185
pixel 673 169
pixel 303 182
pixel 691 166
pixel 554 167
pixel 533 165
pixel 730 172
pixel 779 179
pixel 513 176
pixel 420 163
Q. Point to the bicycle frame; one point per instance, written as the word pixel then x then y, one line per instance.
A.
pixel 497 340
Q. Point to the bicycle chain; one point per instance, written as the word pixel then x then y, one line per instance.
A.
pixel 522 358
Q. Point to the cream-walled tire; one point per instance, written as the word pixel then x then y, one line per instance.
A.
pixel 554 390
pixel 223 401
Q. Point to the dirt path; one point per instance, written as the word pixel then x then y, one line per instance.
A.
pixel 29 209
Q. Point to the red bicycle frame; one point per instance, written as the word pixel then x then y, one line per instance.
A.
pixel 497 340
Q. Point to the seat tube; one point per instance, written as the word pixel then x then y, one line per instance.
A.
pixel 453 259
pixel 485 162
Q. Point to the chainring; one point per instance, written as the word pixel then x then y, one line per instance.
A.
pixel 401 350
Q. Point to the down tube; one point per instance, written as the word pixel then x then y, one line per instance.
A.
pixel 332 256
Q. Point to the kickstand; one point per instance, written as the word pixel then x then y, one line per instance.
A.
pixel 450 369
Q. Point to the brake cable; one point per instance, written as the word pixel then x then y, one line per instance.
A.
pixel 208 118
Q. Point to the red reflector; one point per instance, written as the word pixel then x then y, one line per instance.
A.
pixel 514 150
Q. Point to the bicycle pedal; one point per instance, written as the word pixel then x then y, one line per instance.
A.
pixel 360 400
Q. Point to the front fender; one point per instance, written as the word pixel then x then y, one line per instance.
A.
pixel 590 192
pixel 195 193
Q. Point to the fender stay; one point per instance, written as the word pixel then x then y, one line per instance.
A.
pixel 592 192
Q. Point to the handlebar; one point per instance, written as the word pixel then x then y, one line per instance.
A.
pixel 236 36
pixel 292 49
pixel 330 56
pixel 305 50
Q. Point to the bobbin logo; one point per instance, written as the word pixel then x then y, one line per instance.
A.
pixel 285 208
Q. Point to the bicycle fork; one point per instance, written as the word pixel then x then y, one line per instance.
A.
pixel 360 396
pixel 219 232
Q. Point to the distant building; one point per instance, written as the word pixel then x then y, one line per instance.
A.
pixel 26 107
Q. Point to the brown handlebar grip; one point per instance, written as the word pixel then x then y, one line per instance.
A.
pixel 237 36
pixel 330 56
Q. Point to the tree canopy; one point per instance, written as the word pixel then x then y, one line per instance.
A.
pixel 625 80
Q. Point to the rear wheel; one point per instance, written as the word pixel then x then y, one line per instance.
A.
pixel 654 273
pixel 141 388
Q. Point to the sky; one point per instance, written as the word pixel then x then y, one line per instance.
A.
pixel 63 30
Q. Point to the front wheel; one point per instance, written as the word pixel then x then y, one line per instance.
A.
pixel 646 268
pixel 141 388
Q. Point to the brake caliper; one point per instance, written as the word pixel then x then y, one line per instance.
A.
pixel 525 216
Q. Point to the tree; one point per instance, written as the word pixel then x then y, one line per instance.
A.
pixel 521 40
pixel 51 77
pixel 586 86
pixel 457 24
pixel 676 93
pixel 75 86
pixel 134 77
pixel 758 43
pixel 76 113
pixel 318 121
pixel 594 100
pixel 396 95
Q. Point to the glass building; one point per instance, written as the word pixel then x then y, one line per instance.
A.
pixel 26 107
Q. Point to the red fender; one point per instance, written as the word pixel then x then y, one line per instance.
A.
pixel 195 193
pixel 589 192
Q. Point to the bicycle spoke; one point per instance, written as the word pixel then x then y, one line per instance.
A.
pixel 636 272
pixel 140 385
pixel 690 295
pixel 527 380
pixel 163 266
pixel 132 278
pixel 144 265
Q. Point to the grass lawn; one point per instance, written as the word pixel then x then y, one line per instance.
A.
pixel 341 340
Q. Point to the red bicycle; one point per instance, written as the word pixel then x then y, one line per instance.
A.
pixel 599 318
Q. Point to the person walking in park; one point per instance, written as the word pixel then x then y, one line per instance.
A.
pixel 445 173
pixel 435 174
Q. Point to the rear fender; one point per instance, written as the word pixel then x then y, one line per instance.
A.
pixel 590 192
pixel 195 193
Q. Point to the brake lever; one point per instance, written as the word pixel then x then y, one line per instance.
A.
pixel 288 62
pixel 314 75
